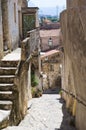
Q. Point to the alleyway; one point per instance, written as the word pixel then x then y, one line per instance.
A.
pixel 45 113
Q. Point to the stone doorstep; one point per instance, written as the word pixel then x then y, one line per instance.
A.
pixel 7 70
pixel 7 87
pixel 6 95
pixel 5 102
pixel 7 78
pixel 5 105
pixel 5 92
pixel 9 63
pixel 4 114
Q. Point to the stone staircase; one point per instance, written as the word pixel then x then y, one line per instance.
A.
pixel 7 90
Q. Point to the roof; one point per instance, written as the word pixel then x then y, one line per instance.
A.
pixel 50 53
pixel 49 25
pixel 46 34
pixel 29 10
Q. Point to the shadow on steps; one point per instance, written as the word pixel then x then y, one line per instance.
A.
pixel 55 90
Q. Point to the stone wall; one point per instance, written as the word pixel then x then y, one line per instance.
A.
pixel 23 83
pixel 5 25
pixel 50 77
pixel 74 3
pixel 51 71
pixel 74 65
pixel 10 24
pixel 13 23
pixel 10 28
pixel 1 34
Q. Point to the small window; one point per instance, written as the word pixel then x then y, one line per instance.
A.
pixel 15 12
pixel 51 67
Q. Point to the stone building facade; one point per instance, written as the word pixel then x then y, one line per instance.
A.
pixel 45 35
pixel 74 64
pixel 10 24
pixel 51 69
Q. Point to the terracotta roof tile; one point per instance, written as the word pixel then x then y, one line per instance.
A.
pixel 49 53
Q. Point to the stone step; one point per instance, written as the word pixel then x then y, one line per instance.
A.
pixel 4 92
pixel 4 118
pixel 7 70
pixel 6 95
pixel 8 63
pixel 7 87
pixel 5 105
pixel 7 78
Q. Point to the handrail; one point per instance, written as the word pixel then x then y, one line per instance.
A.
pixel 25 48
pixel 37 28
pixel 17 71
pixel 75 96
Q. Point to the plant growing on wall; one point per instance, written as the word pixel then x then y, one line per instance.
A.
pixel 34 81
pixel 28 23
pixel 36 92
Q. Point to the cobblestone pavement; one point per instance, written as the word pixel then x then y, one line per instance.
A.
pixel 45 113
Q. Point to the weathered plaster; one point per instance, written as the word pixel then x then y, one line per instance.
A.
pixel 74 66
pixel 1 34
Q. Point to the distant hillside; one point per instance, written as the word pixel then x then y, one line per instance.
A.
pixel 50 10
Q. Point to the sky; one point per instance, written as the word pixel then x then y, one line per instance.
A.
pixel 49 7
pixel 47 3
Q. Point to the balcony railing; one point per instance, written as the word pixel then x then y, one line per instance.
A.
pixel 34 39
pixel 30 44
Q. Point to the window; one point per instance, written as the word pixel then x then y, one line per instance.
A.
pixel 51 67
pixel 15 12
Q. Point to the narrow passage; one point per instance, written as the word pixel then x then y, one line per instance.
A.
pixel 45 113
